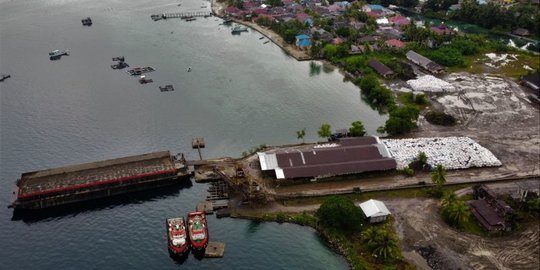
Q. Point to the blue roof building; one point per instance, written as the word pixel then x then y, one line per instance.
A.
pixel 376 7
pixel 303 41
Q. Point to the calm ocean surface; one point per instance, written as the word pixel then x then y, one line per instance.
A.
pixel 240 93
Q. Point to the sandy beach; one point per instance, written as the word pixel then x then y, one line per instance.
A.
pixel 218 8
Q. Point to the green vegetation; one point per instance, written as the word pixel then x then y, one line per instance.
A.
pixel 440 118
pixel 287 30
pixel 497 17
pixel 438 176
pixel 381 243
pixel 401 120
pixel 300 134
pixel 339 213
pixel 357 129
pixel 254 150
pixel 325 131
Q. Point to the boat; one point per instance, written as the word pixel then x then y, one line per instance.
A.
pixel 227 21
pixel 268 41
pixel 144 80
pixel 198 231
pixel 119 58
pixel 58 53
pixel 190 18
pixel 4 76
pixel 140 70
pixel 166 88
pixel 120 65
pixel 87 21
pixel 238 29
pixel 261 37
pixel 177 236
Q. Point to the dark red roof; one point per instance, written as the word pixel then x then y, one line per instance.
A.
pixel 351 155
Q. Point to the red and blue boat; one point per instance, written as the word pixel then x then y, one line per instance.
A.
pixel 177 236
pixel 198 231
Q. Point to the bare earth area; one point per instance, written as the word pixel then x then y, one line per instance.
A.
pixel 421 230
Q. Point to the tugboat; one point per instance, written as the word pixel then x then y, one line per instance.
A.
pixel 177 236
pixel 198 231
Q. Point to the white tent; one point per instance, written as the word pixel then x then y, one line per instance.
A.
pixel 375 210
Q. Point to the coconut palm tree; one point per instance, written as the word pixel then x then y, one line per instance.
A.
pixel 448 198
pixel 369 236
pixel 300 134
pixel 439 175
pixel 422 157
pixel 385 246
pixel 456 213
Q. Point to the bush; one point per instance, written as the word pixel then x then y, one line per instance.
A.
pixel 440 118
pixel 281 217
pixel 408 171
pixel 339 213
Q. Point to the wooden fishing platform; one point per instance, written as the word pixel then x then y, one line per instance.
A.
pixel 181 15
pixel 214 250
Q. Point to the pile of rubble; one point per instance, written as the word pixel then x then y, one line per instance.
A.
pixel 428 83
pixel 451 152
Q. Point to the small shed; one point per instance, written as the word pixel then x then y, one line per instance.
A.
pixel 380 68
pixel 374 210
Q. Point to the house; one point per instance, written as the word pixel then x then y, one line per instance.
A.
pixel 335 8
pixel 373 8
pixel 424 62
pixel 337 41
pixel 399 20
pixel 367 39
pixel 395 43
pixel 494 214
pixel 532 81
pixel 375 210
pixel 303 41
pixel 304 18
pixel 382 21
pixel 356 49
pixel 357 25
pixel 442 29
pixel 380 68
pixel 233 11
pixel 321 34
pixel 520 32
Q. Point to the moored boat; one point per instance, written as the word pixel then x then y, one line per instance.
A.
pixel 140 70
pixel 198 230
pixel 177 236
pixel 237 29
pixel 58 53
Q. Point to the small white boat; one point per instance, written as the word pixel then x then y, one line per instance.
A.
pixel 57 53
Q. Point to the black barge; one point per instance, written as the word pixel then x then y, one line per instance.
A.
pixel 52 187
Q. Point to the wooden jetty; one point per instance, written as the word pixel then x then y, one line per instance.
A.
pixel 181 15
pixel 214 250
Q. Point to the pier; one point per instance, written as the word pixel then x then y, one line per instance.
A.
pixel 181 15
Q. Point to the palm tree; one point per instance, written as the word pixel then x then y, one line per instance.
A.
pixel 458 213
pixel 439 175
pixel 422 157
pixel 448 198
pixel 386 246
pixel 369 236
pixel 300 134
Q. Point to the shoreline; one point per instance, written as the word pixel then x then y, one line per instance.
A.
pixel 299 55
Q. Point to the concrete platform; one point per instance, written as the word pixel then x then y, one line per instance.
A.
pixel 206 207
pixel 214 250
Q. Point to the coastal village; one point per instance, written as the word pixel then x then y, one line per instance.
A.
pixel 451 180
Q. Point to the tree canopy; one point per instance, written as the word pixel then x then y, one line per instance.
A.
pixel 357 129
pixel 339 213
pixel 300 134
pixel 325 131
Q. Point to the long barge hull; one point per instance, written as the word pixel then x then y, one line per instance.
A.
pixel 80 195
pixel 83 182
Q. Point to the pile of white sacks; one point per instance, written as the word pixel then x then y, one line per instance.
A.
pixel 451 152
pixel 428 83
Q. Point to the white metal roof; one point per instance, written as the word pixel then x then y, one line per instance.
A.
pixel 374 208
pixel 268 161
